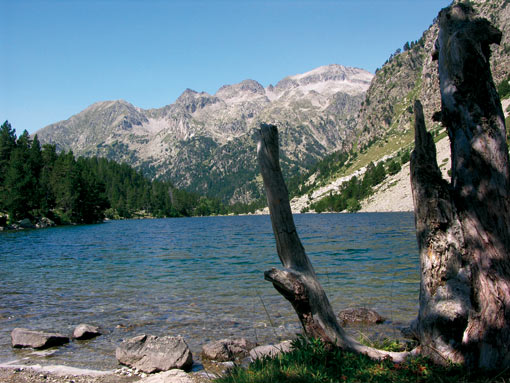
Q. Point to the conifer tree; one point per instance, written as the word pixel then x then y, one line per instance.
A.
pixel 19 183
pixel 65 187
pixel 49 156
pixel 7 144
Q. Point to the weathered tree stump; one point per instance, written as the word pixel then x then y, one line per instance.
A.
pixel 463 226
pixel 297 282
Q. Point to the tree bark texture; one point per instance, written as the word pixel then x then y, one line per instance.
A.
pixel 463 227
pixel 297 282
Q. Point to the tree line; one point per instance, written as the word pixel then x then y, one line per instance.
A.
pixel 37 181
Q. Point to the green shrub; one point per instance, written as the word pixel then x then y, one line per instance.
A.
pixel 504 88
pixel 405 157
pixel 393 167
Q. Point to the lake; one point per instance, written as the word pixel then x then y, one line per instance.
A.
pixel 201 278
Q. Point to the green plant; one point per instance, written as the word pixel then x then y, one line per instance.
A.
pixel 394 167
pixel 504 88
pixel 405 157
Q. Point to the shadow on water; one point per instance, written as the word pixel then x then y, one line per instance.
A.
pixel 198 277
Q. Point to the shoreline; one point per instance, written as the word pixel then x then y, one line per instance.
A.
pixel 31 370
pixel 14 373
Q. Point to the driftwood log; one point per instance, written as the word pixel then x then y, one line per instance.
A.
pixel 463 227
pixel 297 282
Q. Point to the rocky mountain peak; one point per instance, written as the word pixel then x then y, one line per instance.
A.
pixel 325 80
pixel 244 90
pixel 193 101
pixel 187 96
pixel 117 105
pixel 332 72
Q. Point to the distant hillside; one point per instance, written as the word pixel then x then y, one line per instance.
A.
pixel 205 143
pixel 384 127
pixel 410 73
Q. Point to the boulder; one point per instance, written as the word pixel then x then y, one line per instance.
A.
pixel 359 316
pixel 227 349
pixel 149 353
pixel 22 337
pixel 26 224
pixel 85 331
pixel 171 376
pixel 44 222
pixel 270 350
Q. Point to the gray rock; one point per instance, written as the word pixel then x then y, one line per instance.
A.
pixel 85 331
pixel 227 349
pixel 171 376
pixel 149 353
pixel 270 350
pixel 359 316
pixel 44 222
pixel 26 224
pixel 226 367
pixel 22 337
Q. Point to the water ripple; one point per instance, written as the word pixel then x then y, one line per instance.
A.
pixel 198 277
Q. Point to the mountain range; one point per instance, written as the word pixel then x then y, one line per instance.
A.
pixel 205 143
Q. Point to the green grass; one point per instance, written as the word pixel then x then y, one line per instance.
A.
pixel 313 362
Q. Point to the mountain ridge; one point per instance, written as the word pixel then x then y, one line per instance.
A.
pixel 191 141
pixel 328 109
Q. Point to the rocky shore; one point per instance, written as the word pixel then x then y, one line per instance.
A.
pixel 150 359
pixel 26 223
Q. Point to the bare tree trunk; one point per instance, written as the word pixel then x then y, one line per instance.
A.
pixel 463 227
pixel 297 282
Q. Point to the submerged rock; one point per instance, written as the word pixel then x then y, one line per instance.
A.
pixel 359 316
pixel 22 337
pixel 150 353
pixel 227 349
pixel 85 331
pixel 270 350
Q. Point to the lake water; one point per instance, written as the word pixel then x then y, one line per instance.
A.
pixel 201 278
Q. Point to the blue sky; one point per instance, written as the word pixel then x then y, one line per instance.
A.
pixel 59 56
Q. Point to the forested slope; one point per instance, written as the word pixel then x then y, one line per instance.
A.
pixel 40 182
